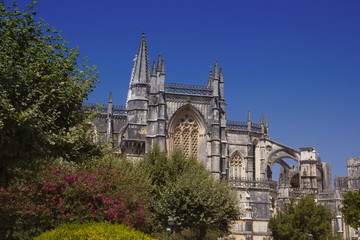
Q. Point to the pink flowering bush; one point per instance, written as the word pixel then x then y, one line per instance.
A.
pixel 39 201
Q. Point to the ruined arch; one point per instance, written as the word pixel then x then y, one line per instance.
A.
pixel 187 131
pixel 276 156
pixel 289 173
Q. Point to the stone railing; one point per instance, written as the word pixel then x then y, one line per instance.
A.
pixel 102 108
pixel 236 125
pixel 182 88
pixel 242 126
pixel 253 183
pixel 117 109
pixel 300 192
pixel 255 127
pixel 327 195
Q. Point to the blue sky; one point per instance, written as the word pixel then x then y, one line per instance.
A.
pixel 296 61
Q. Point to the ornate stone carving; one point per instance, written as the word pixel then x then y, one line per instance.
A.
pixel 186 135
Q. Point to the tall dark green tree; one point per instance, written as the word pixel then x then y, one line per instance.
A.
pixel 42 87
pixel 300 219
pixel 351 208
pixel 186 191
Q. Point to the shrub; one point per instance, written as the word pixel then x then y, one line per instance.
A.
pixel 184 189
pixel 95 231
pixel 56 194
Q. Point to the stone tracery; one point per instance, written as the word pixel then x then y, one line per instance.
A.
pixel 235 166
pixel 186 135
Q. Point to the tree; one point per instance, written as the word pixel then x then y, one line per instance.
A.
pixel 185 190
pixel 298 220
pixel 351 208
pixel 42 87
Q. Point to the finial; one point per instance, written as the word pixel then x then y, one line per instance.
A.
pixel 210 71
pixel 159 63
pixel 110 97
pixel 249 116
pixel 262 118
pixel 221 75
pixel 216 69
pixel 266 122
pixel 162 66
pixel 153 70
pixel 143 33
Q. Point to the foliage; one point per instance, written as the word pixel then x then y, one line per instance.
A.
pixel 58 193
pixel 300 219
pixel 185 234
pixel 351 208
pixel 94 231
pixel 42 87
pixel 185 190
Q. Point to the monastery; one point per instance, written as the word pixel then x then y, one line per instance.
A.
pixel 193 117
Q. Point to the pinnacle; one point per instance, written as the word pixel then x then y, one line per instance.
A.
pixel 143 33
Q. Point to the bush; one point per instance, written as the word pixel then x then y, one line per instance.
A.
pixel 185 190
pixel 56 194
pixel 301 218
pixel 95 231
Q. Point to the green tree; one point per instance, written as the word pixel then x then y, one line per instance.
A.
pixel 185 190
pixel 42 88
pixel 298 220
pixel 351 208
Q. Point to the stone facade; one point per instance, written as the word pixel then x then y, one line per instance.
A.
pixel 193 117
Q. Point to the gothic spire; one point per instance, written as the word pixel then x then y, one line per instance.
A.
pixel 262 118
pixel 210 76
pixel 159 63
pixel 221 76
pixel 109 106
pixel 110 97
pixel 162 66
pixel 153 71
pixel 216 69
pixel 143 34
pixel 266 122
pixel 249 116
pixel 141 66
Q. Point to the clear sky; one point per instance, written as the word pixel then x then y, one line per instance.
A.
pixel 297 61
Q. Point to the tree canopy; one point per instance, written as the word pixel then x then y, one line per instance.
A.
pixel 298 220
pixel 351 208
pixel 42 88
pixel 186 191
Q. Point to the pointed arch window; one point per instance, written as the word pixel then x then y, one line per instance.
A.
pixel 236 164
pixel 186 135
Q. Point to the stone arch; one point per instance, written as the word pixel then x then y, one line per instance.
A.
pixel 187 131
pixel 237 166
pixel 276 153
pixel 295 180
pixel 277 156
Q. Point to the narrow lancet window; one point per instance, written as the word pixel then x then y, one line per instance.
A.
pixel 236 164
